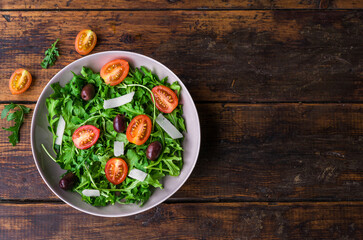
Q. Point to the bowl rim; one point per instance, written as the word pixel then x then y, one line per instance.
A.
pixel 37 106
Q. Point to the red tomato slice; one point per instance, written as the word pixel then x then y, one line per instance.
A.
pixel 116 170
pixel 115 71
pixel 86 136
pixel 20 81
pixel 139 129
pixel 166 99
pixel 85 41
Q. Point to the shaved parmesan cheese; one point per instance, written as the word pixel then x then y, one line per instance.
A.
pixel 60 130
pixel 137 174
pixel 168 127
pixel 91 192
pixel 119 101
pixel 118 148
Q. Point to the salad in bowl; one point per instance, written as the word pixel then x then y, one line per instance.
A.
pixel 117 137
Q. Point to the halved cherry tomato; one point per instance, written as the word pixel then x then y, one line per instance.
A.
pixel 139 129
pixel 85 41
pixel 84 137
pixel 20 81
pixel 166 99
pixel 116 170
pixel 115 71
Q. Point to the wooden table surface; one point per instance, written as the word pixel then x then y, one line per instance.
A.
pixel 279 90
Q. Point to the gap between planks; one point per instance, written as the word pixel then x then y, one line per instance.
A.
pixel 177 9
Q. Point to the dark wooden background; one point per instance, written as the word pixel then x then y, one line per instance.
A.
pixel 279 90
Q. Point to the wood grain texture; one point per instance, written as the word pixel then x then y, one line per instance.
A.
pixel 188 221
pixel 250 56
pixel 278 152
pixel 178 4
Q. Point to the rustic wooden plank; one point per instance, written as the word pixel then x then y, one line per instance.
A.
pixel 281 151
pixel 341 220
pixel 250 56
pixel 249 152
pixel 177 4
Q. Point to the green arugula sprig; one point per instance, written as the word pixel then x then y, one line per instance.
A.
pixel 151 93
pixel 50 56
pixel 18 117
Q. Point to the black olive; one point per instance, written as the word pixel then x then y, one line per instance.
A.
pixel 88 92
pixel 153 150
pixel 119 123
pixel 68 181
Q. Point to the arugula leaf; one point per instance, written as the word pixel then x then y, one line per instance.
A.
pixel 50 56
pixel 18 117
pixel 175 86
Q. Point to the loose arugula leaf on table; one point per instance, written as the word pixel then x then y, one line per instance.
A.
pixel 89 164
pixel 50 56
pixel 18 117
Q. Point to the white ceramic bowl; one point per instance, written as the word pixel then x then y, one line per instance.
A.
pixel 51 171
